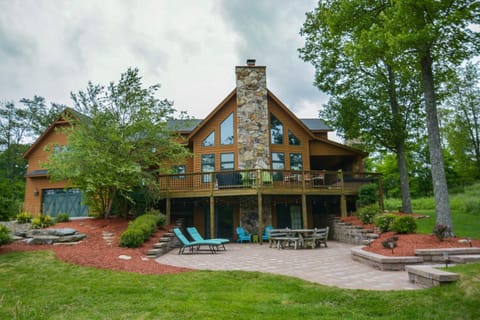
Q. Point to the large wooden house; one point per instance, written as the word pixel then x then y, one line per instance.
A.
pixel 254 164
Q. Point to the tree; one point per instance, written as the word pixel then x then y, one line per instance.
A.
pixel 122 145
pixel 427 34
pixel 371 99
pixel 461 117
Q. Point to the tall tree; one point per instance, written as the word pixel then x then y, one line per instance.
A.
pixel 461 118
pixel 425 33
pixel 371 99
pixel 122 145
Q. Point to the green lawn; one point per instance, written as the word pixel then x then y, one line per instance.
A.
pixel 36 285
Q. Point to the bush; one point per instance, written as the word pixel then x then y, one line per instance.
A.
pixel 5 237
pixel 367 214
pixel 23 217
pixel 145 225
pixel 404 224
pixel 42 221
pixel 368 194
pixel 384 221
pixel 442 231
pixel 62 217
pixel 132 238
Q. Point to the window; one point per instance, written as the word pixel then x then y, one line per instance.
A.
pixel 180 170
pixel 296 161
pixel 292 139
pixel 278 163
pixel 227 161
pixel 226 130
pixel 276 130
pixel 210 140
pixel 208 165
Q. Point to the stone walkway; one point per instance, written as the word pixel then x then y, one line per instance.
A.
pixel 330 266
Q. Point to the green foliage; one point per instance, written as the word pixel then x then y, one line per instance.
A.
pixel 141 228
pixel 132 238
pixel 122 145
pixel 442 231
pixel 367 214
pixel 24 217
pixel 404 224
pixel 384 221
pixel 62 217
pixel 42 221
pixel 368 194
pixel 5 237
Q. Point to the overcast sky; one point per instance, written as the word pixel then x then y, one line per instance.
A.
pixel 190 48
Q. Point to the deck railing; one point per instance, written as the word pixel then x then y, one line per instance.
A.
pixel 238 179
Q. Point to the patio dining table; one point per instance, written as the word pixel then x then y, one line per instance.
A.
pixel 287 237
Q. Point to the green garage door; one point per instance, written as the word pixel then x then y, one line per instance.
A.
pixel 69 201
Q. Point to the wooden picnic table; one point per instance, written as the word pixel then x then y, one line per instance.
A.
pixel 283 238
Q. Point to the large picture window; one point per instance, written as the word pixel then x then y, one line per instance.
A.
pixel 180 170
pixel 208 165
pixel 296 161
pixel 226 130
pixel 227 161
pixel 276 130
pixel 209 141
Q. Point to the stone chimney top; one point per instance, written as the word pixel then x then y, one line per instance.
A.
pixel 251 62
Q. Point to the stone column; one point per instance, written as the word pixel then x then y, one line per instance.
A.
pixel 252 117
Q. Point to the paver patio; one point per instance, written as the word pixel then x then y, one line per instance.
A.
pixel 330 266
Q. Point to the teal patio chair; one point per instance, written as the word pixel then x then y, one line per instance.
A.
pixel 266 233
pixel 212 245
pixel 196 236
pixel 243 236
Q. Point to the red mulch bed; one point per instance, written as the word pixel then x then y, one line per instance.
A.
pixel 94 251
pixel 407 243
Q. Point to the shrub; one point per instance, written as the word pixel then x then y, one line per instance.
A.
pixel 384 221
pixel 368 194
pixel 42 221
pixel 23 217
pixel 442 231
pixel 145 225
pixel 62 217
pixel 132 238
pixel 5 237
pixel 367 214
pixel 404 224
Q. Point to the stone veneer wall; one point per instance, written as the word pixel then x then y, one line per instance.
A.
pixel 252 118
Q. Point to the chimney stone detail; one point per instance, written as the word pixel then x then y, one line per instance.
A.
pixel 252 118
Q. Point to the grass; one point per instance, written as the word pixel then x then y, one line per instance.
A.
pixel 465 209
pixel 36 285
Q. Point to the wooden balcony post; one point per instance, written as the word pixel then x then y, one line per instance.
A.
pixel 168 208
pixel 304 210
pixel 212 216
pixel 260 216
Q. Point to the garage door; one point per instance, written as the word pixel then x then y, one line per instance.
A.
pixel 69 201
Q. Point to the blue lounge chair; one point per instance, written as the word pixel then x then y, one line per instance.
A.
pixel 266 233
pixel 212 245
pixel 196 236
pixel 243 236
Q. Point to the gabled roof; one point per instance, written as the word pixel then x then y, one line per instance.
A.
pixel 61 119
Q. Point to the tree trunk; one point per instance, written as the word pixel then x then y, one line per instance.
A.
pixel 440 189
pixel 398 126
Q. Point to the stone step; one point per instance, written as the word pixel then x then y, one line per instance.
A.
pixel 467 258
pixel 159 245
pixel 164 239
pixel 154 253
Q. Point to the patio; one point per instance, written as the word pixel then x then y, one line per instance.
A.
pixel 332 266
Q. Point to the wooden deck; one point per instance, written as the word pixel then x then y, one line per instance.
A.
pixel 267 182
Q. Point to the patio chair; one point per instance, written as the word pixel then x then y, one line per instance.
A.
pixel 196 236
pixel 243 236
pixel 212 245
pixel 266 233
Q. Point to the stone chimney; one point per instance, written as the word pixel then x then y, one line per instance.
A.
pixel 252 117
